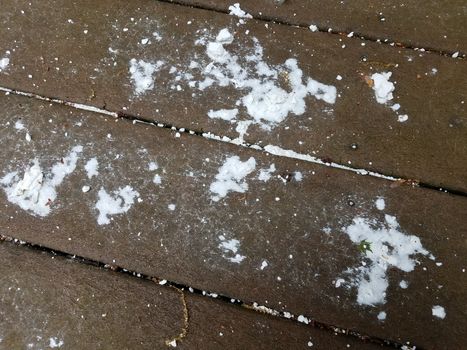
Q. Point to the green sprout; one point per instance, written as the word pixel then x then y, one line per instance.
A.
pixel 364 246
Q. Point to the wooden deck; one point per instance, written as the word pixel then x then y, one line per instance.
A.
pixel 175 176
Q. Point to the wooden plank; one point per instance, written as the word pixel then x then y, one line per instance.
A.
pixel 90 58
pixel 52 302
pixel 285 243
pixel 430 25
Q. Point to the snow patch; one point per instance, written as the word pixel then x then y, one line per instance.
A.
pixel 224 114
pixel 55 343
pixel 231 177
pixel 380 204
pixel 438 311
pixel 36 191
pixel 4 62
pixel 142 74
pixel 265 174
pixel 118 203
pixel 235 10
pixel 383 89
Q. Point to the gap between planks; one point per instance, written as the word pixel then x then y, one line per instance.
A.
pixel 181 288
pixel 353 34
pixel 269 149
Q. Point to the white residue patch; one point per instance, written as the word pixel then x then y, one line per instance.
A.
pixel 382 316
pixel 383 89
pixel 4 62
pixel 36 191
pixel 384 247
pixel 55 343
pixel 231 177
pixel 142 74
pixel 92 168
pixel 230 247
pixel 438 311
pixel 380 204
pixel 265 99
pixel 265 174
pixel 118 203
pixel 224 114
pixel 235 10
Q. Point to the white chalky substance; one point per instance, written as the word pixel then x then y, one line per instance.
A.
pixel 265 174
pixel 36 191
pixel 224 114
pixel 118 203
pixel 230 248
pixel 142 74
pixel 438 311
pixel 388 247
pixel 231 177
pixel 235 10
pixel 4 62
pixel 92 168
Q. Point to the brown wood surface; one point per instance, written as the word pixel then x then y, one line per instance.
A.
pixel 357 131
pixel 432 24
pixel 48 302
pixel 281 222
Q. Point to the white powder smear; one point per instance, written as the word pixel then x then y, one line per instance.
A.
pixel 92 168
pixel 384 248
pixel 231 177
pixel 438 311
pixel 36 191
pixel 142 74
pixel 118 203
pixel 230 247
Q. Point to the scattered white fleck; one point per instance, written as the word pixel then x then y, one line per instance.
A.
pixel 19 125
pixel 455 54
pixel 162 282
pixel 403 284
pixel 339 282
pixel 55 342
pixel 382 316
pixel 36 191
pixel 380 204
pixel 28 137
pixel 235 10
pixel 382 87
pixel 230 248
pixel 142 74
pixel 402 118
pixel 144 41
pixel 4 62
pixel 119 203
pixel 310 344
pixel 339 77
pixel 313 28
pixel 92 168
pixel 171 207
pixel 86 188
pixel 264 264
pixel 303 319
pixel 153 166
pixel 172 343
pixel 157 179
pixel 231 177
pixel 298 176
pixel 438 311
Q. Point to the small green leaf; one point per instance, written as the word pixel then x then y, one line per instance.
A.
pixel 364 246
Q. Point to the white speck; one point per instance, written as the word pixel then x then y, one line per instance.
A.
pixel 171 207
pixel 119 203
pixel 382 87
pixel 153 166
pixel 235 10
pixel 142 74
pixel 92 168
pixel 339 282
pixel 231 177
pixel 303 319
pixel 264 264
pixel 455 54
pixel 4 62
pixel 157 36
pixel 85 31
pixel 19 125
pixel 380 204
pixel 402 118
pixel 438 311
pixel 230 247
pixel 157 179
pixel 298 176
pixel 382 316
pixel 350 35
pixel 173 343
pixel 55 343
pixel 144 41
pixel 339 77
pixel 403 284
pixel 86 188
pixel 36 191
pixel 313 28
pixel 310 344
pixel 28 137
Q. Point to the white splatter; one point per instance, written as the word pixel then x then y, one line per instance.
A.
pixel 265 174
pixel 142 74
pixel 231 177
pixel 92 168
pixel 36 191
pixel 230 247
pixel 118 203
